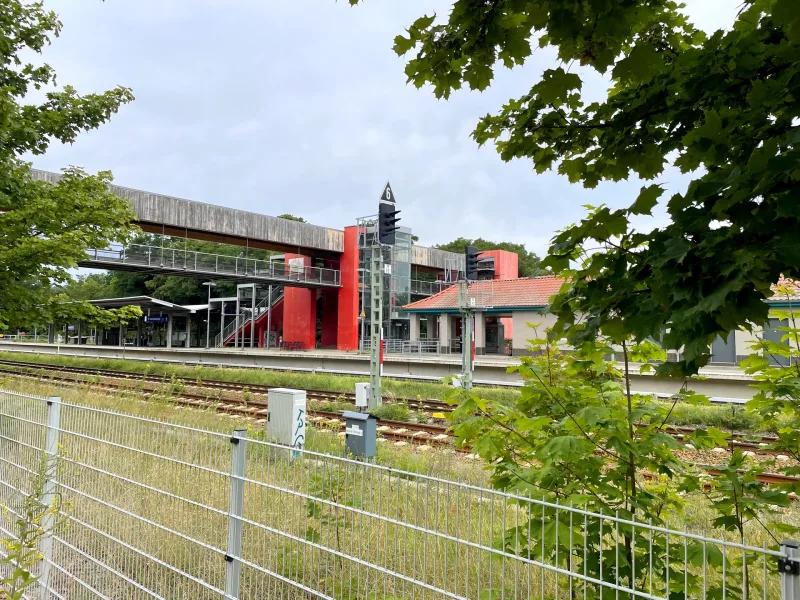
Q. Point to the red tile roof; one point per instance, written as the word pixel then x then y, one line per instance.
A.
pixel 531 292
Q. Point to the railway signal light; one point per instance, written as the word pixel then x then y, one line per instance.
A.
pixel 471 253
pixel 387 223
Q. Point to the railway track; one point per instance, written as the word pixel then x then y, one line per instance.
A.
pixel 418 433
pixel 753 443
pixel 430 405
pixel 398 431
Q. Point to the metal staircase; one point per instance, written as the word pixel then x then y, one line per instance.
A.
pixel 243 318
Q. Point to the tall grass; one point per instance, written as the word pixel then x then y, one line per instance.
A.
pixel 412 390
pixel 727 417
pixel 300 514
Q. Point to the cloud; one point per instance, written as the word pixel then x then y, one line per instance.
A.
pixel 245 129
pixel 302 107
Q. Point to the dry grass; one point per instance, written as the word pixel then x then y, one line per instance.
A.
pixel 300 514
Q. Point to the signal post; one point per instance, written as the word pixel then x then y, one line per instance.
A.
pixel 467 308
pixel 387 226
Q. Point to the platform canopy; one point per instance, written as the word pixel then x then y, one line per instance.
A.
pixel 148 304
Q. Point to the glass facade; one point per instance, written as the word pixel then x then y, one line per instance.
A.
pixel 396 287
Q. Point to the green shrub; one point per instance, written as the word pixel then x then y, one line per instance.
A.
pixel 394 411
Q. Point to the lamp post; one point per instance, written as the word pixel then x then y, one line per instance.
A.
pixel 210 285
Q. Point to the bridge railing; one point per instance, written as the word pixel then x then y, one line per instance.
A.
pixel 428 288
pixel 406 346
pixel 203 262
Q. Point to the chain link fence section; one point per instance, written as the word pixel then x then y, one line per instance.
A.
pixel 152 509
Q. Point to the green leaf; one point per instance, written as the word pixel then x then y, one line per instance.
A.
pixel 647 199
pixel 312 535
pixel 402 45
pixel 556 84
pixel 565 448
pixel 641 64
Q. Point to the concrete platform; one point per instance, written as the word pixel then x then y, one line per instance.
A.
pixel 722 383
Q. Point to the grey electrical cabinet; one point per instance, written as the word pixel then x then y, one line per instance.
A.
pixel 286 421
pixel 361 434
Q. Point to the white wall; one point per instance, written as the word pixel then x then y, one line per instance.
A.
pixel 523 333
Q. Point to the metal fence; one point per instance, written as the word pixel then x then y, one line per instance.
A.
pixel 428 288
pixel 405 346
pixel 202 263
pixel 158 510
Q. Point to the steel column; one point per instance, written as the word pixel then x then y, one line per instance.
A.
pixel 269 316
pixel 49 493
pixel 238 308
pixel 233 556
pixel 222 324
pixel 789 568
pixel 208 318
pixel 253 320
pixel 467 335
pixel 376 326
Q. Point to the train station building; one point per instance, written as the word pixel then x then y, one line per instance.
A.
pixel 297 285
pixel 505 307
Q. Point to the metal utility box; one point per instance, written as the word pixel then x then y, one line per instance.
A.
pixel 286 421
pixel 362 394
pixel 360 434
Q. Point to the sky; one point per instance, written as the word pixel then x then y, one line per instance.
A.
pixel 302 107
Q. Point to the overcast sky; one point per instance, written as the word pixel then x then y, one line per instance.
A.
pixel 302 107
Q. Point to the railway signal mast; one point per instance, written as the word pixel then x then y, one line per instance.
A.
pixel 387 226
pixel 466 306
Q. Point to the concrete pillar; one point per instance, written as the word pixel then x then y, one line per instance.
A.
pixel 188 332
pixel 169 331
pixel 138 332
pixel 348 305
pixel 480 333
pixel 444 332
pixel 413 319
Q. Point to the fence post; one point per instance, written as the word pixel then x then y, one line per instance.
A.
pixel 49 493
pixel 233 570
pixel 790 570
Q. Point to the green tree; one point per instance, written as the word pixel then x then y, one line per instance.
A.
pixel 46 228
pixel 88 287
pixel 289 217
pixel 722 107
pixel 529 263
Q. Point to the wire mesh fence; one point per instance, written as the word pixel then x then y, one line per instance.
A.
pixel 149 509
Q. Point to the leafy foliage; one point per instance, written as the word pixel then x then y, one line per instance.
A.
pixel 723 106
pixel 30 522
pixel 45 229
pixel 778 384
pixel 578 437
pixel 289 217
pixel 529 263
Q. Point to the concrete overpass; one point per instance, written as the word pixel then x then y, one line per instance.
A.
pixel 167 215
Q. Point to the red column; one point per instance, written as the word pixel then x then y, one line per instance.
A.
pixel 347 331
pixel 299 308
pixel 506 266
pixel 330 318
